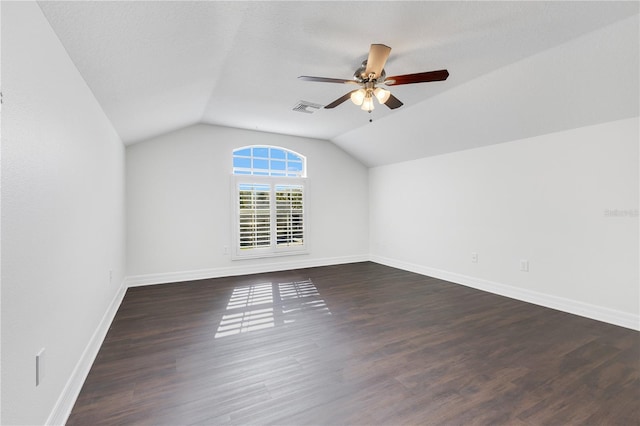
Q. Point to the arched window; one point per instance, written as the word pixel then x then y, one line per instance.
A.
pixel 260 160
pixel 269 199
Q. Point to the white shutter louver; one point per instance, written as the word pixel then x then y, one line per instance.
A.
pixel 289 215
pixel 254 215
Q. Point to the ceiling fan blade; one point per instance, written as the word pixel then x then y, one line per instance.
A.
pixel 326 80
pixel 378 54
pixel 339 100
pixel 421 77
pixel 393 102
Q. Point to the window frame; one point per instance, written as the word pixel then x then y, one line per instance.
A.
pixel 274 249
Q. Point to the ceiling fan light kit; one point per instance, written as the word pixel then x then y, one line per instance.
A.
pixel 364 97
pixel 370 74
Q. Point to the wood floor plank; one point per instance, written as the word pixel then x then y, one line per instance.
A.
pixel 354 344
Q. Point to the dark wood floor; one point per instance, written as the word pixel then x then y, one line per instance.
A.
pixel 355 344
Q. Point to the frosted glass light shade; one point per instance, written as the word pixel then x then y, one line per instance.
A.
pixel 358 96
pixel 367 104
pixel 382 94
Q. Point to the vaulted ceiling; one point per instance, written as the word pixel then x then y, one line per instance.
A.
pixel 159 66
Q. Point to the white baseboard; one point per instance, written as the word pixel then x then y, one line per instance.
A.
pixel 599 313
pixel 67 398
pixel 241 269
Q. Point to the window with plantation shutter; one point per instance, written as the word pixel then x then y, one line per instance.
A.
pixel 289 215
pixel 268 193
pixel 254 215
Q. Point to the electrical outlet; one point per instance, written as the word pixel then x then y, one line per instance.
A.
pixel 40 364
pixel 524 265
pixel 225 250
pixel 110 276
pixel 474 257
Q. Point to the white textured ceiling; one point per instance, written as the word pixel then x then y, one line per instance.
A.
pixel 159 66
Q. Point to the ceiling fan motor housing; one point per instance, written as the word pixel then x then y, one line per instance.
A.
pixel 361 74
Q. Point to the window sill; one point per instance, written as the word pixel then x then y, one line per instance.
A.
pixel 267 254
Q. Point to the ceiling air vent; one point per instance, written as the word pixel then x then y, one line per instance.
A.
pixel 303 106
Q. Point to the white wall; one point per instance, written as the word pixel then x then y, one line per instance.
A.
pixel 543 199
pixel 179 205
pixel 62 218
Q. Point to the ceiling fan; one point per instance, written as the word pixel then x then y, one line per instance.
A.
pixel 370 74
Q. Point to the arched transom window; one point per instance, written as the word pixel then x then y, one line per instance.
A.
pixel 268 161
